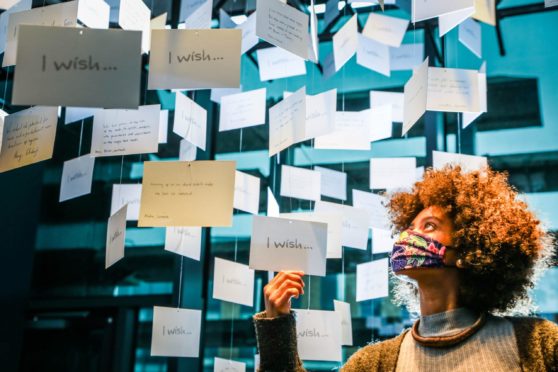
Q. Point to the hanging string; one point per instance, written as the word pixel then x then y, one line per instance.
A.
pixel 80 137
pixel 342 274
pixel 6 87
pixel 458 114
pixel 180 281
pixel 309 291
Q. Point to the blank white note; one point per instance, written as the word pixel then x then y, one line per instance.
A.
pixel 468 163
pixel 333 183
pixel 242 110
pixel 190 121
pixel 373 205
pixel 276 63
pixel 272 205
pixel 395 99
pixel 354 232
pixel 470 36
pixel 227 365
pixel 320 114
pixel 384 29
pixel 187 151
pixel 351 132
pixel 415 96
pixel 344 310
pixel 449 21
pixel 176 332
pixel 372 280
pixel 426 9
pixel 116 237
pixel 406 57
pixel 300 183
pixel 318 335
pixel 94 13
pixel 345 42
pixel 392 173
pixel 185 241
pixel 77 175
pixel 373 55
pixel 469 117
pixel 163 125
pixel 286 122
pixel 135 15
pixel 382 241
pixel 381 118
pixel 126 194
pixel 249 37
pixel 246 192
pixel 233 282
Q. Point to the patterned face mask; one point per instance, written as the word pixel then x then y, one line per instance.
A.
pixel 413 250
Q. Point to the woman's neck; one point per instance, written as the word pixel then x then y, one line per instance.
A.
pixel 438 293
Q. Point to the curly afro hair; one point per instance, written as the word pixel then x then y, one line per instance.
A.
pixel 499 241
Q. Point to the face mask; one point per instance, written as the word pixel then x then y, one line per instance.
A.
pixel 414 250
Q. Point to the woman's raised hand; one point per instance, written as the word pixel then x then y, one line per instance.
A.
pixel 278 292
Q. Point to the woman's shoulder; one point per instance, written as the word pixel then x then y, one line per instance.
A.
pixel 534 325
pixel 377 356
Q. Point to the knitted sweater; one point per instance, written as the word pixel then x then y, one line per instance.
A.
pixel 537 346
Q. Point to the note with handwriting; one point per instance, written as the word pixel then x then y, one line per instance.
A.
pixel 218 93
pixel 372 280
pixel 242 110
pixel 177 193
pixel 470 36
pixel 249 37
pixel 374 206
pixel 351 132
pixel 384 29
pixel 228 365
pixel 163 126
pixel 354 231
pixel 333 183
pixel 272 205
pixel 233 282
pixel 28 137
pixel 185 241
pixel 394 99
pixel 74 114
pixel 426 9
pixel 415 96
pixel 392 173
pixel 277 63
pixel 176 332
pixel 189 59
pixel 452 90
pixel 125 132
pixel 382 241
pixel 373 55
pixel 318 335
pixel 126 194
pixel 190 120
pixel 345 42
pixel 344 310
pixel 286 122
pixel 300 183
pixel 56 63
pixel 18 6
pixel 320 114
pixel 406 57
pixel 63 15
pixel 94 13
pixel 77 175
pixel 200 17
pixel 468 163
pixel 280 244
pixel 283 26
pixel 135 15
pixel 116 237
pixel 381 118
pixel 246 192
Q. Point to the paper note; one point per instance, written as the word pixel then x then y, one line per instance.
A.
pixel 63 15
pixel 19 6
pixel 185 241
pixel 233 282
pixel 449 21
pixel 345 42
pixel 200 17
pixel 351 132
pixel 74 114
pixel 314 42
pixel 125 132
pixel 116 237
pixel 485 11
pixel 333 183
pixel 320 114
pixel 318 335
pixel 468 163
pixel 279 244
pixel 354 232
pixel 246 192
pixel 300 183
pixel 406 57
pixel 373 205
pixel 56 63
pixel 249 37
pixel 188 59
pixel 176 332
pixel 469 117
pixel 286 122
pixel 28 137
pixel 163 126
pixel 382 241
pixel 392 173
pixel 384 29
pixel 227 365
pixel 187 151
pixel 190 121
pixel 94 13
pixel 77 175
pixel 218 93
pixel 396 100
pixel 426 9
pixel 198 193
pixel 272 205
pixel 452 90
pixel 283 26
pixel 242 110
pixel 328 66
pixel 470 36
pixel 415 96
pixel 373 55
pixel 276 63
pixel 380 122
pixel 126 194
pixel 372 280
pixel 334 223
pixel 344 311
pixel 135 15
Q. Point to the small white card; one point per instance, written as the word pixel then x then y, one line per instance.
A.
pixel 126 194
pixel 345 42
pixel 406 57
pixel 125 132
pixel 94 13
pixel 354 232
pixel 381 122
pixel 77 176
pixel 382 241
pixel 190 121
pixel 227 365
pixel 286 122
pixel 470 36
pixel 396 100
pixel 320 114
pixel 233 282
pixel 176 332
pixel 449 21
pixel 116 237
pixel 135 15
pixel 372 280
pixel 300 183
pixel 351 132
pixel 163 126
pixel 344 310
pixel 276 63
pixel 469 117
pixel 249 37
pixel 185 241
pixel 384 29
pixel 426 9
pixel 246 192
pixel 318 335
pixel 242 110
pixel 272 205
pixel 373 55
pixel 333 183
pixel 392 173
pixel 283 26
pixel 187 151
pixel 452 90
pixel 200 17
pixel 218 93
pixel 279 244
pixel 415 96
pixel 468 163
pixel 74 114
pixel 373 204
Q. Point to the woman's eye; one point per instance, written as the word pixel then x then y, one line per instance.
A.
pixel 429 226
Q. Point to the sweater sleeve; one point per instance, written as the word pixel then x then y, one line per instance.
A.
pixel 277 346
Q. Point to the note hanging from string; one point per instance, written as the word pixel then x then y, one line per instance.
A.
pixel 190 121
pixel 384 29
pixel 318 335
pixel 249 37
pixel 395 99
pixel 345 42
pixel 344 310
pixel 374 206
pixel 116 237
pixel 354 231
pixel 392 173
pixel 242 110
pixel 406 57
pixel 135 15
pixel 94 13
pixel 126 194
pixel 227 365
pixel 415 97
pixel 382 241
pixel 185 241
pixel 426 9
pixel 300 183
pixel 469 117
pixel 286 122
pixel 372 280
pixel 381 118
pixel 176 332
pixel 233 282
pixel 351 132
pixel 373 55
pixel 333 183
pixel 77 175
pixel 246 192
pixel 276 63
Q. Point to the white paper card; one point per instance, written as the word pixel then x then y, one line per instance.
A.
pixel 135 15
pixel 187 151
pixel 200 17
pixel 272 205
pixel 373 204
pixel 233 282
pixel 382 241
pixel 242 110
pixel 354 232
pixel 373 55
pixel 396 100
pixel 345 43
pixel 470 36
pixel 163 126
pixel 372 280
pixel 282 26
pixel 384 29
pixel 392 173
pixel 5 17
pixel 74 114
pixel 276 63
pixel 425 9
pixel 190 121
pixel 449 21
pixel 415 96
pixel 227 365
pixel 333 183
pixel 469 117
pixel 452 90
pixel 176 332
pixel 300 183
pixel 286 122
pixel 406 57
pixel 246 192
pixel 320 114
pixel 279 244
pixel 380 122
pixel 126 194
pixel 77 176
pixel 249 37
pixel 185 241
pixel 116 237
pixel 468 163
pixel 351 132
pixel 94 13
pixel 318 335
pixel 344 310
pixel 125 132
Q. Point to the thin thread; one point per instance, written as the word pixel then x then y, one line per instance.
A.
pixel 232 331
pixel 121 168
pixel 342 274
pixel 6 87
pixel 309 291
pixel 180 281
pixel 80 137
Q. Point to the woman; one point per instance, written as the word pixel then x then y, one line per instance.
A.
pixel 468 249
